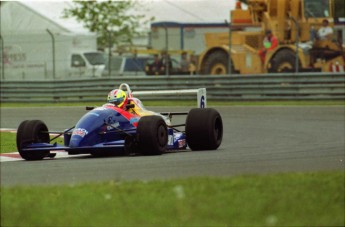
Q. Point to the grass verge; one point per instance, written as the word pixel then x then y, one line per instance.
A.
pixel 7 142
pixel 294 199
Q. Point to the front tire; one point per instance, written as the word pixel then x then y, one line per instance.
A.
pixel 152 135
pixel 34 131
pixel 204 129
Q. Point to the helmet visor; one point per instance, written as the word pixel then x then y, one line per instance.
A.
pixel 116 101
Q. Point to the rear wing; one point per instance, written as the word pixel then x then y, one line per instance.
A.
pixel 200 93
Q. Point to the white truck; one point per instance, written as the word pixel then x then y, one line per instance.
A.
pixel 50 56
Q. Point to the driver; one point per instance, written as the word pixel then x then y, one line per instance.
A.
pixel 122 100
pixel 126 102
pixel 119 98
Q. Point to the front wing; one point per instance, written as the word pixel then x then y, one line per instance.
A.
pixel 116 145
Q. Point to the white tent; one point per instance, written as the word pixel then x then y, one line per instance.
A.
pixel 35 21
pixel 19 17
pixel 38 43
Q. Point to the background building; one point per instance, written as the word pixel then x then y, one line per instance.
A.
pixel 183 36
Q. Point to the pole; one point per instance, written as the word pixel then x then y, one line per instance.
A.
pixel 109 54
pixel 230 44
pixel 2 59
pixel 166 48
pixel 297 40
pixel 53 51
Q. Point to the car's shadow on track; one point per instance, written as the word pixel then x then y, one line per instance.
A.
pixel 118 156
pixel 134 155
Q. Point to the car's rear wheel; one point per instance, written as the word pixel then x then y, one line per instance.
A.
pixel 152 135
pixel 204 129
pixel 33 131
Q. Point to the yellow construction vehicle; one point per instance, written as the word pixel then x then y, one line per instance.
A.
pixel 293 22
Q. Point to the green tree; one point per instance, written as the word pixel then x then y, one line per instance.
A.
pixel 115 22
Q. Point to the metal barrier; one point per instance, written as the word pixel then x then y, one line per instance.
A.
pixel 318 86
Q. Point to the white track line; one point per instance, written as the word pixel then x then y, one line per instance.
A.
pixel 15 156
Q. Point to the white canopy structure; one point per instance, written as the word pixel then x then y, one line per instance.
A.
pixel 36 42
pixel 19 17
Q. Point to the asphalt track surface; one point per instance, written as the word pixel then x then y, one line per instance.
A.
pixel 256 140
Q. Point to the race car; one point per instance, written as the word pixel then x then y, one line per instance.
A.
pixel 111 130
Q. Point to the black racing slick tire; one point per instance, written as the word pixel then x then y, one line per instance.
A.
pixel 33 131
pixel 204 129
pixel 152 135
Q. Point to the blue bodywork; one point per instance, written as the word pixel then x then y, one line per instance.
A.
pixel 98 127
pixel 105 128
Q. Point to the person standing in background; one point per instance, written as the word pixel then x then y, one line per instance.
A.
pixel 270 42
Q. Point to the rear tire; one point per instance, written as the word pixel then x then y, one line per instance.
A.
pixel 34 131
pixel 204 129
pixel 152 135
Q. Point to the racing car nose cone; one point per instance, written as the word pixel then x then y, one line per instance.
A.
pixel 77 136
pixel 74 142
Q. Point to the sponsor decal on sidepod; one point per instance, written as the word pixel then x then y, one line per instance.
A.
pixel 80 132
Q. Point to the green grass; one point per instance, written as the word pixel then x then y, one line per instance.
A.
pixel 294 199
pixel 188 103
pixel 7 142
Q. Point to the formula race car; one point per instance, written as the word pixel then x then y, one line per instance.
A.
pixel 111 130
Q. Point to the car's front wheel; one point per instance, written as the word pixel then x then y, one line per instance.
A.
pixel 33 131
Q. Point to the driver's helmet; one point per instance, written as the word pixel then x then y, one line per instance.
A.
pixel 118 97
